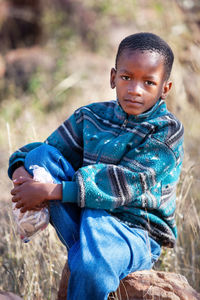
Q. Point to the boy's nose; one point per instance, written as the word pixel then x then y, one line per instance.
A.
pixel 134 88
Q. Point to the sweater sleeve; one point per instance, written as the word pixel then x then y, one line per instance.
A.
pixel 67 138
pixel 106 186
pixel 18 157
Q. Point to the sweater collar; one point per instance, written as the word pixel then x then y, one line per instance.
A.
pixel 159 107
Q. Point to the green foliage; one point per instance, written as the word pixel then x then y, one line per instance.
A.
pixel 34 83
pixel 11 111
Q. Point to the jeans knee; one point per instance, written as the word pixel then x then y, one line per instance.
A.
pixel 40 155
pixel 37 156
pixel 52 160
pixel 101 278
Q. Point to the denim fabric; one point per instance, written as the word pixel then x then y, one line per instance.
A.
pixel 101 250
pixel 49 157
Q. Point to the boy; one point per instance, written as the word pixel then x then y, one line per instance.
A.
pixel 117 210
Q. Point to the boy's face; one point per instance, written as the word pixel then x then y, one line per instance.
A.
pixel 139 80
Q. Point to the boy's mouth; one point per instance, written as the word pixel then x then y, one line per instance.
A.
pixel 134 101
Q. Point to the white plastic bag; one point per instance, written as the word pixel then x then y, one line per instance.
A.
pixel 31 222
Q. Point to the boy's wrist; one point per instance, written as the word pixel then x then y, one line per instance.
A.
pixel 54 191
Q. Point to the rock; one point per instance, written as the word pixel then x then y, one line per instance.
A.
pixel 23 62
pixel 9 296
pixel 20 23
pixel 156 285
pixel 140 285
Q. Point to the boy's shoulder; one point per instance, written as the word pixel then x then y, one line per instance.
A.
pixel 163 118
pixel 166 119
pixel 168 128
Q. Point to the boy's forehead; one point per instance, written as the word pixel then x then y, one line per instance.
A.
pixel 140 55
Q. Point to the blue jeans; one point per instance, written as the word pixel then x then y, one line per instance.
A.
pixel 101 250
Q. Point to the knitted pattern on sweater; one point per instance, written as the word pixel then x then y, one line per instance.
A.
pixel 127 165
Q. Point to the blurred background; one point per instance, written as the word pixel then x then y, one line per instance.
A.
pixel 56 55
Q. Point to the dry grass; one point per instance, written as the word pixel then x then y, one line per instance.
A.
pixel 33 270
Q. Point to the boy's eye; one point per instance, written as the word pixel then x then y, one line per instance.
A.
pixel 149 82
pixel 125 77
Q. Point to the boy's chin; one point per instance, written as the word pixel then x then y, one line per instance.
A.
pixel 131 108
pixel 133 112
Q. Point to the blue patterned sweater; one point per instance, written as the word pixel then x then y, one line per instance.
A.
pixel 127 165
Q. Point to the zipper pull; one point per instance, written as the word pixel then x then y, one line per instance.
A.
pixel 124 124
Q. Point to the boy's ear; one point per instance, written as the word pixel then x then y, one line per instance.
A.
pixel 166 88
pixel 112 78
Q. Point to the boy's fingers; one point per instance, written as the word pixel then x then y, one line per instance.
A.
pixel 20 180
pixel 14 191
pixel 23 210
pixel 36 208
pixel 19 204
pixel 15 199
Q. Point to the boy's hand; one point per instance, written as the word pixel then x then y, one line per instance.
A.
pixel 28 193
pixel 20 172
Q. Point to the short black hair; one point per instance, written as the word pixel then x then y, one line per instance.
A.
pixel 145 41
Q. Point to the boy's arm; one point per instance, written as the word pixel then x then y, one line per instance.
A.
pixel 67 139
pixel 105 186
